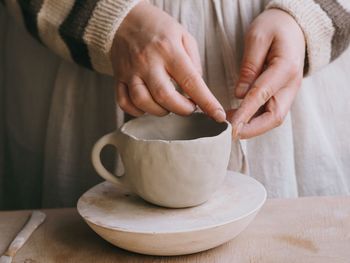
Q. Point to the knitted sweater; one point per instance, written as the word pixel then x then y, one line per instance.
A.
pixel 83 30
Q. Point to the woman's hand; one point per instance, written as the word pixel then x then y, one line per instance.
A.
pixel 149 51
pixel 271 73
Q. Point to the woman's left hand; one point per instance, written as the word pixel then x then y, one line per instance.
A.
pixel 271 74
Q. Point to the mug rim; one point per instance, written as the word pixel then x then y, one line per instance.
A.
pixel 131 136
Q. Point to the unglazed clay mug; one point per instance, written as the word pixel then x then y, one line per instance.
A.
pixel 170 161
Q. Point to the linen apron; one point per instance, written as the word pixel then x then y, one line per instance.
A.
pixel 52 112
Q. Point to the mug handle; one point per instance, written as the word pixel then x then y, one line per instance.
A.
pixel 108 139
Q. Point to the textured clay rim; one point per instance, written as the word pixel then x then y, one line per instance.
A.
pixel 125 125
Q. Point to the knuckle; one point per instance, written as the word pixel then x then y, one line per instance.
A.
pixel 209 107
pixel 278 118
pixel 139 98
pixel 161 113
pixel 161 95
pixel 139 55
pixel 252 93
pixel 188 82
pixel 122 102
pixel 163 44
pixel 263 94
pixel 248 71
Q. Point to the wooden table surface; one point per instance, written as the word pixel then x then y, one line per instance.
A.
pixel 315 229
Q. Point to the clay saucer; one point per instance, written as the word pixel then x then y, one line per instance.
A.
pixel 127 221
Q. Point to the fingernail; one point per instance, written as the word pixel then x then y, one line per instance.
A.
pixel 219 115
pixel 242 89
pixel 237 131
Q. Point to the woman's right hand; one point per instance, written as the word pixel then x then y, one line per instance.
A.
pixel 149 50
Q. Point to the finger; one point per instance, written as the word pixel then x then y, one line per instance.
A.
pixel 142 99
pixel 165 94
pixel 125 102
pixel 276 110
pixel 256 48
pixel 269 82
pixel 184 73
pixel 191 48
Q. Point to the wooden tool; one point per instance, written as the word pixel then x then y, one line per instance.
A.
pixel 35 220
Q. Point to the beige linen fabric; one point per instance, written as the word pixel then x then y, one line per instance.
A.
pixel 53 111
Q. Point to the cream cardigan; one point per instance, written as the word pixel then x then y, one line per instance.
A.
pixel 83 31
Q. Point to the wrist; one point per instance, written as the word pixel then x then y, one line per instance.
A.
pixel 317 28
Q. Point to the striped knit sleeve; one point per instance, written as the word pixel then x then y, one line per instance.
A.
pixel 81 31
pixel 326 27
